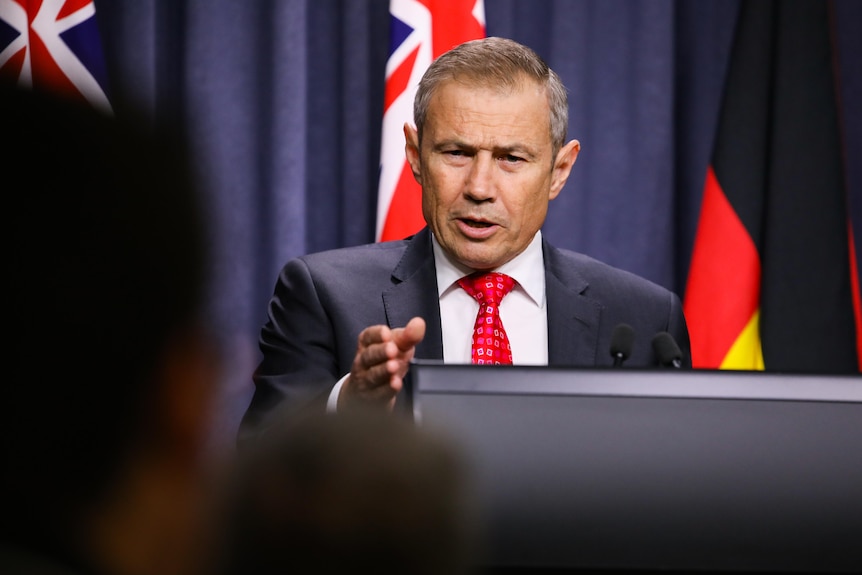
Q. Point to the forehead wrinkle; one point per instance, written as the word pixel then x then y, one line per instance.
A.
pixel 501 120
pixel 494 132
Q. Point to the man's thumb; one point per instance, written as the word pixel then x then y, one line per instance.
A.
pixel 409 335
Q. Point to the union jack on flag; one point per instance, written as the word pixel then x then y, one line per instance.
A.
pixel 53 45
pixel 420 30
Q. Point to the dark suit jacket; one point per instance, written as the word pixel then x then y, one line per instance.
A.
pixel 322 301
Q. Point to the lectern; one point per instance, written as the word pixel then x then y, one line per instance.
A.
pixel 628 470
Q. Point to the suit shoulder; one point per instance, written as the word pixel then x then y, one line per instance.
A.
pixel 603 276
pixel 365 256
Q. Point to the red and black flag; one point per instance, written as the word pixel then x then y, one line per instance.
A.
pixel 774 281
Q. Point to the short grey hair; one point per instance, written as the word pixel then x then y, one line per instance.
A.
pixel 495 62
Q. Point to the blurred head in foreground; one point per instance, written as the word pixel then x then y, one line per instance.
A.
pixel 348 494
pixel 106 409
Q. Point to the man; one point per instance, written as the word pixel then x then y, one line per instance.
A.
pixel 489 151
pixel 107 403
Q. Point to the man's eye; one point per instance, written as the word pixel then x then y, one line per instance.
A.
pixel 512 159
pixel 454 152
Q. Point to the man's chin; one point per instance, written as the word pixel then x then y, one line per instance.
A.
pixel 479 260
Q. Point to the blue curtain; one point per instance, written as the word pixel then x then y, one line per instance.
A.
pixel 281 101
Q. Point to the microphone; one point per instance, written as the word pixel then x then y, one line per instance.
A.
pixel 622 340
pixel 667 350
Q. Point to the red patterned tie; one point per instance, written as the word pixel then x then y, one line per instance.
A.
pixel 490 342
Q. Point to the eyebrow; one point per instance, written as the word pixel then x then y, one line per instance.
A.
pixel 497 150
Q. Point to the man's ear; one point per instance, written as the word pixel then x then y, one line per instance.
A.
pixel 563 164
pixel 411 150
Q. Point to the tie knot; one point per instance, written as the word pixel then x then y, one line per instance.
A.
pixel 487 287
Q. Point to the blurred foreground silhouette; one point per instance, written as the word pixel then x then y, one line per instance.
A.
pixel 106 410
pixel 349 493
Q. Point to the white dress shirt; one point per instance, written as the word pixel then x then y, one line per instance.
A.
pixel 523 311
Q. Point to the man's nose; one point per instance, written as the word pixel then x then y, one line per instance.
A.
pixel 480 181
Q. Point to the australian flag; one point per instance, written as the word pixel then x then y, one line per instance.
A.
pixel 54 45
pixel 420 30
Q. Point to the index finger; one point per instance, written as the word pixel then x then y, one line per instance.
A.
pixel 374 334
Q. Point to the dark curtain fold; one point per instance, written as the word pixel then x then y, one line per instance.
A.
pixel 281 101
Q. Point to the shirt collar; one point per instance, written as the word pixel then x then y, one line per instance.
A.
pixel 527 269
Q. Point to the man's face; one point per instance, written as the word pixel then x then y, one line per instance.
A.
pixel 486 171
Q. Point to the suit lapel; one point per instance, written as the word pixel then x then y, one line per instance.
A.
pixel 414 293
pixel 573 318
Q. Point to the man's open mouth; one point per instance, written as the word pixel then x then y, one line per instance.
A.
pixel 477 224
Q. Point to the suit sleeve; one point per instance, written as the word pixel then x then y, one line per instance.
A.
pixel 299 365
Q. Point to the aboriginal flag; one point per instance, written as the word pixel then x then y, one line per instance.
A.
pixel 774 281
